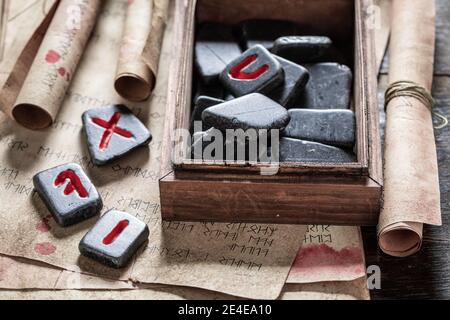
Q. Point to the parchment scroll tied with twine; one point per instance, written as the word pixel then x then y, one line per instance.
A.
pixel 411 195
pixel 414 90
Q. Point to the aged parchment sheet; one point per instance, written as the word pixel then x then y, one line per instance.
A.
pixel 329 253
pixel 140 48
pixel 383 29
pixel 19 273
pixel 329 291
pixel 3 20
pixel 47 282
pixel 40 78
pixel 328 242
pixel 21 15
pixel 240 259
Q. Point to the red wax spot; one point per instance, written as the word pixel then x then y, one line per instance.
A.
pixel 74 184
pixel 62 72
pixel 111 129
pixel 52 57
pixel 116 232
pixel 44 225
pixel 45 248
pixel 238 73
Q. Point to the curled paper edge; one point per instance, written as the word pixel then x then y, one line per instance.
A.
pixel 13 85
pixel 401 239
pixel 136 81
pixel 39 80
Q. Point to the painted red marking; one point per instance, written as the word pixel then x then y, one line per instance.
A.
pixel 74 184
pixel 116 232
pixel 52 57
pixel 238 73
pixel 319 260
pixel 45 248
pixel 111 129
pixel 63 73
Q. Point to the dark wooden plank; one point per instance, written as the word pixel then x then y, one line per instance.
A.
pixel 355 201
pixel 426 274
pixel 442 65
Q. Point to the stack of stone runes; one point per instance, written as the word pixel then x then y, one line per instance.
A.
pixel 282 81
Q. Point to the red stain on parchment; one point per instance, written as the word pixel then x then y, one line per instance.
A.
pixel 44 225
pixel 321 259
pixel 63 73
pixel 45 248
pixel 52 56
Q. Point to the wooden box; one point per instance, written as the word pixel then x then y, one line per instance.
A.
pixel 301 193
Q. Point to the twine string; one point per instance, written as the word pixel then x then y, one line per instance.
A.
pixel 414 90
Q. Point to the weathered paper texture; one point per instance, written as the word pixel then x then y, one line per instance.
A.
pixel 411 187
pixel 134 80
pixel 39 80
pixel 20 15
pixel 348 290
pixel 140 49
pixel 329 253
pixel 3 20
pixel 152 49
pixel 30 21
pixel 18 273
pixel 318 291
pixel 244 260
pixel 48 283
pixel 382 20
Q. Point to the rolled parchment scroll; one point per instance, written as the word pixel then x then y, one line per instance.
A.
pixel 134 79
pixel 411 183
pixel 35 102
pixel 141 47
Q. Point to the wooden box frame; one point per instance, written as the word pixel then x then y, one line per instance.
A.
pixel 301 193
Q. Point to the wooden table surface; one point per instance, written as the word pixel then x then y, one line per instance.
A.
pixel 425 275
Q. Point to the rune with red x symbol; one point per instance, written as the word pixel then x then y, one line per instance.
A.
pixel 111 127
